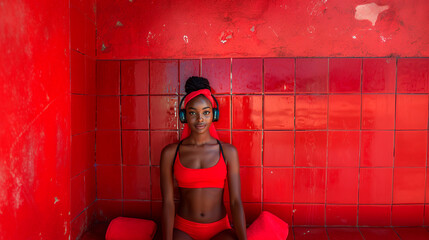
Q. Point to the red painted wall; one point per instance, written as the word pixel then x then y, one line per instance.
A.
pixel 35 120
pixel 282 28
pixel 334 141
pixel 83 100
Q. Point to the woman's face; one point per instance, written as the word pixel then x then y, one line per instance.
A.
pixel 199 114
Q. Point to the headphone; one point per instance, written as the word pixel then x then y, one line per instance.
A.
pixel 182 112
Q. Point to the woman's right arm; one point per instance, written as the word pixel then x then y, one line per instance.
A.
pixel 168 210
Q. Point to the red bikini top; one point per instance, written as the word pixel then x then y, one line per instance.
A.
pixel 212 177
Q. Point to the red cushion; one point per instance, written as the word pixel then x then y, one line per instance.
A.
pixel 123 228
pixel 267 226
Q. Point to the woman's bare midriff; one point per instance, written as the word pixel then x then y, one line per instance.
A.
pixel 203 205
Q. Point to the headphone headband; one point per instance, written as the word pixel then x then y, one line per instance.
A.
pixel 182 112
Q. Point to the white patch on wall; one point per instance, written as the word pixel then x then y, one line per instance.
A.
pixel 185 38
pixel 369 11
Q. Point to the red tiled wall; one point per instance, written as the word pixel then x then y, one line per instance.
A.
pixel 83 98
pixel 321 141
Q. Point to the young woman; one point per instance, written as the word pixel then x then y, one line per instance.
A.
pixel 201 164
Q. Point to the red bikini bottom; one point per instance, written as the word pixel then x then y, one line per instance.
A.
pixel 201 231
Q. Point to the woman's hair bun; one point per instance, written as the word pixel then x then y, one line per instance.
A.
pixel 196 83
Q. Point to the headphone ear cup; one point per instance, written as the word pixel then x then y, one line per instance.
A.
pixel 182 116
pixel 215 114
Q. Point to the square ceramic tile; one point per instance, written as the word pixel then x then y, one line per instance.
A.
pixel 251 184
pixel 407 215
pixel 108 147
pixel 247 75
pixel 108 209
pixel 252 211
pixel 251 106
pixel 249 146
pixel 108 77
pixel 163 112
pixel 279 112
pixel 378 111
pixel 134 77
pixel 108 113
pixel 155 183
pixel 78 224
pixel 342 185
pixel 344 233
pixel 189 68
pixel 412 233
pixel 158 140
pixel 279 74
pixel 412 111
pixel 136 182
pixel 82 113
pixel 377 149
pixel 278 148
pixel 309 214
pixel 164 76
pixel 344 112
pixel 308 233
pixel 135 147
pixel 375 186
pixel 109 182
pixel 370 233
pixel 312 75
pixel 344 75
pixel 90 186
pixel 413 75
pixel 218 72
pixel 410 148
pixel 224 112
pixel 341 215
pixel 82 152
pixel 310 185
pixel 77 71
pixel 137 209
pixel 77 195
pixel 278 185
pixel 311 112
pixel 378 75
pixel 282 211
pixel 343 148
pixel 375 215
pixel 409 185
pixel 135 112
pixel 310 149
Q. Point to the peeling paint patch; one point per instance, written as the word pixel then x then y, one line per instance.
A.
pixel 311 29
pixel 369 11
pixel 56 200
pixel 252 29
pixel 119 24
pixel 185 38
pixel 354 36
pixel 103 47
pixel 225 36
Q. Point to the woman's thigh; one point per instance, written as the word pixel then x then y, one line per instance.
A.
pixel 180 235
pixel 225 235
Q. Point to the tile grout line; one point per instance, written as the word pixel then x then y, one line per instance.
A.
pixel 294 148
pixel 394 145
pixel 120 124
pixel 150 138
pixel 359 143
pixel 327 151
pixel 262 136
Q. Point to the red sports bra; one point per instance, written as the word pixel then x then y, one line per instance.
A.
pixel 212 177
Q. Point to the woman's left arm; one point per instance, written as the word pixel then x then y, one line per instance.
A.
pixel 237 211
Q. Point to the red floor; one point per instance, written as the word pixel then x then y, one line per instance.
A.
pixel 320 233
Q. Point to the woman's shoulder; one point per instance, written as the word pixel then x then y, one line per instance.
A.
pixel 228 149
pixel 168 152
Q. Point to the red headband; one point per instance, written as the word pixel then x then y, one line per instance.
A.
pixel 204 92
pixel 186 131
